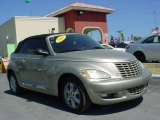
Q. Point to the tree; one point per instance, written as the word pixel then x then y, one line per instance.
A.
pixel 27 1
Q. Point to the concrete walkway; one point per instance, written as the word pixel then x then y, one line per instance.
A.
pixel 156 75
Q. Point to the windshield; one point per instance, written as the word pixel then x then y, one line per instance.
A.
pixel 73 42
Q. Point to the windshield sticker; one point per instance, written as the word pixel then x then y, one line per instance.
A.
pixel 60 39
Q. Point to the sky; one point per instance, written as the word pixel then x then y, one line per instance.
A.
pixel 135 17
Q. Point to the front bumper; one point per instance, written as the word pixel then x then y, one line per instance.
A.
pixel 117 90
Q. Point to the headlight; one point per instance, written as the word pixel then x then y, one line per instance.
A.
pixel 142 66
pixel 95 74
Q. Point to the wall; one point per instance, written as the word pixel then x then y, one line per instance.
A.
pixel 30 26
pixel 61 24
pixel 92 20
pixel 88 19
pixel 69 19
pixel 7 36
pixel 18 28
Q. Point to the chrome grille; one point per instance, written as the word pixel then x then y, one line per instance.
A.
pixel 129 69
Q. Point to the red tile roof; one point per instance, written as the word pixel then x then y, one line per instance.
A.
pixel 82 6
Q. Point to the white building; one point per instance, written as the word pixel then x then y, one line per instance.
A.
pixel 18 28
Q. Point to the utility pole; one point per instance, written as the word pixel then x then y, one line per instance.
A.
pixel 30 11
pixel 155 19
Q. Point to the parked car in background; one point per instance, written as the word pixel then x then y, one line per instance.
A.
pixel 113 48
pixel 77 69
pixel 107 46
pixel 0 59
pixel 121 45
pixel 147 49
pixel 113 44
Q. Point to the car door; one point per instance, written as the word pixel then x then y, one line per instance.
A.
pixel 34 70
pixel 151 48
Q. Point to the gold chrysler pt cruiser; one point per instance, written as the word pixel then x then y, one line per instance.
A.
pixel 77 69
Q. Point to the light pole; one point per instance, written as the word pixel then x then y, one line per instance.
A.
pixel 30 11
pixel 155 19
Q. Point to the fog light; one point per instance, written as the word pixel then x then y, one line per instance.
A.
pixel 104 95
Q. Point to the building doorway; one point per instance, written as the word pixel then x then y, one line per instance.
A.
pixel 94 32
pixel 70 30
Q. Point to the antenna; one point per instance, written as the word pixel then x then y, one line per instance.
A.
pixel 155 19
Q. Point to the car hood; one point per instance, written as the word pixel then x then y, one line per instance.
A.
pixel 97 55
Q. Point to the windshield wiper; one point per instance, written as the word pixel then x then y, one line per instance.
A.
pixel 71 50
pixel 97 48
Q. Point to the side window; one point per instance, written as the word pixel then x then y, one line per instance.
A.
pixel 156 39
pixel 39 43
pixel 24 47
pixel 149 40
pixel 152 40
pixel 32 44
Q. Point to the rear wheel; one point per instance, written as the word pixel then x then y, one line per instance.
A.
pixel 14 86
pixel 140 56
pixel 74 95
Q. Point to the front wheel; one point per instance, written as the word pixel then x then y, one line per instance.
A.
pixel 14 86
pixel 74 95
pixel 140 56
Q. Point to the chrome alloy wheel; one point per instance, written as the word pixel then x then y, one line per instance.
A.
pixel 13 84
pixel 72 95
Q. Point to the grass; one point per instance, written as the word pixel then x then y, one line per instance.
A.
pixel 153 67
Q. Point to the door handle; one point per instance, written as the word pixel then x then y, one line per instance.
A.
pixel 23 60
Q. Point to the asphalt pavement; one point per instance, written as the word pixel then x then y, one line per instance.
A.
pixel 37 106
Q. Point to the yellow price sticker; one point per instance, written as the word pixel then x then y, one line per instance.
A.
pixel 60 39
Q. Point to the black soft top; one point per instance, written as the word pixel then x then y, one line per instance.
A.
pixel 35 36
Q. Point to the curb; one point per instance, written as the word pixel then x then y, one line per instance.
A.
pixel 155 75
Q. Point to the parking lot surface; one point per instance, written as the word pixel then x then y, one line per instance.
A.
pixel 37 106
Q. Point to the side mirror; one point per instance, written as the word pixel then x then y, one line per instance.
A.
pixel 41 52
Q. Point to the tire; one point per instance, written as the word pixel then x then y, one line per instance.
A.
pixel 14 86
pixel 140 56
pixel 74 95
